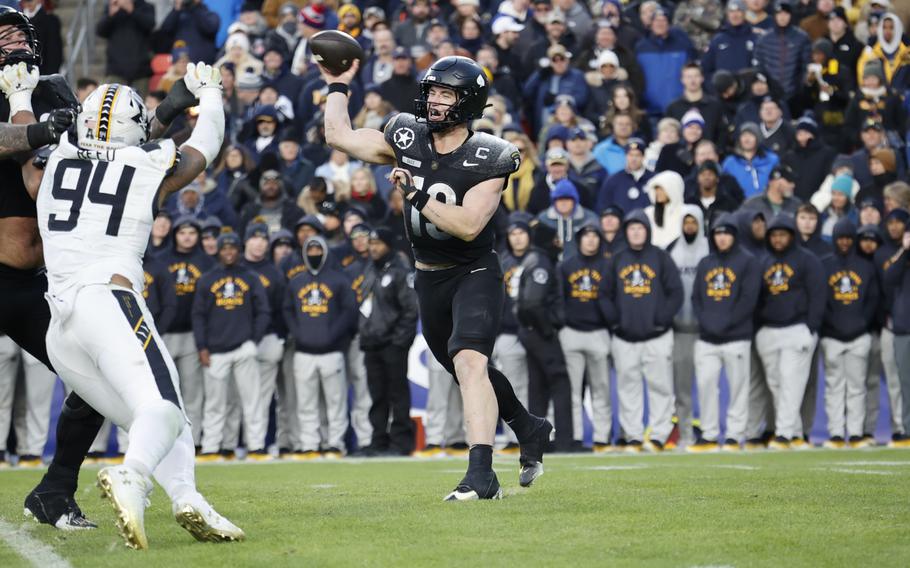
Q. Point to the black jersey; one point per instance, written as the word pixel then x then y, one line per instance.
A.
pixel 447 178
pixel 51 93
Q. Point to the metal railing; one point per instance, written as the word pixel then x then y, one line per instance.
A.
pixel 80 40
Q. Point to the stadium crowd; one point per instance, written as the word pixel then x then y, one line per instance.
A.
pixel 704 185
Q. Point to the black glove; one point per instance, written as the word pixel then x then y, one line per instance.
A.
pixel 56 92
pixel 178 99
pixel 48 132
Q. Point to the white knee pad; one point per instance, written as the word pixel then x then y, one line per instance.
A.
pixel 164 413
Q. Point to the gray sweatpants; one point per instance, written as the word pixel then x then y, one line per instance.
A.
pixel 37 391
pixel 892 380
pixel 786 353
pixel 357 379
pixel 902 358
pixel 510 357
pixel 314 375
pixel 683 370
pixel 445 415
pixel 873 383
pixel 241 367
pixel 287 430
pixel 761 406
pixel 9 368
pixel 651 360
pixel 734 357
pixel 589 350
pixel 846 363
pixel 182 348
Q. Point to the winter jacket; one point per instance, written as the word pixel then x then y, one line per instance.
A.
pixel 319 308
pixel 752 175
pixel 586 294
pixel 127 36
pixel 662 60
pixel 893 56
pixel 686 256
pixel 611 155
pixel 784 53
pixel 197 26
pixel 565 227
pixel 810 164
pixel 230 307
pixel 537 304
pixel 897 279
pixel 665 226
pixel 624 191
pixel 725 290
pixel 731 49
pixel 388 313
pixel 159 293
pixel 647 290
pixel 543 86
pixel 712 111
pixel 852 290
pixel 791 282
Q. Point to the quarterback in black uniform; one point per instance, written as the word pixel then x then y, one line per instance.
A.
pixel 452 179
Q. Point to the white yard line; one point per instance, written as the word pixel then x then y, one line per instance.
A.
pixel 31 549
pixel 735 466
pixel 859 471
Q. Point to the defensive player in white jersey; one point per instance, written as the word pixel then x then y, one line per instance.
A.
pixel 95 204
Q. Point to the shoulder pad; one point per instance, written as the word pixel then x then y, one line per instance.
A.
pixel 500 158
pixel 402 131
pixel 163 153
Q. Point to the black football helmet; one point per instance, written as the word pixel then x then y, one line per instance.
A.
pixel 20 24
pixel 469 82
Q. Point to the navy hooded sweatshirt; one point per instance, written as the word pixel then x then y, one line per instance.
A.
pixel 230 307
pixel 586 288
pixel 726 289
pixel 186 268
pixel 647 289
pixel 852 290
pixel 743 219
pixel 792 282
pixel 274 283
pixel 159 293
pixel 320 310
pixel 897 278
pixel 511 274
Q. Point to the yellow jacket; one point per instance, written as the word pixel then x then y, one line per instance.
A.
pixel 901 58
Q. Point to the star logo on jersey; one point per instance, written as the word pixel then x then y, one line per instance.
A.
pixel 403 137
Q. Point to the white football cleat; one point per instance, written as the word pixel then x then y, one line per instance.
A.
pixel 128 491
pixel 202 521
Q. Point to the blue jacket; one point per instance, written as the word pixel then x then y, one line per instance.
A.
pixel 730 49
pixel 538 94
pixel 229 308
pixel 622 190
pixel 662 61
pixel 197 26
pixel 320 309
pixel 228 11
pixel 752 176
pixel 783 54
pixel 611 155
pixel 647 289
pixel 726 289
pixel 791 281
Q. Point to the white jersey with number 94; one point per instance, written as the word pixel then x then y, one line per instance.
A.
pixel 95 211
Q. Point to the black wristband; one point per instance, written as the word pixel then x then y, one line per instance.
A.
pixel 419 199
pixel 40 134
pixel 339 88
pixel 166 112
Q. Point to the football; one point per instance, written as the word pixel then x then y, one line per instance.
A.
pixel 335 50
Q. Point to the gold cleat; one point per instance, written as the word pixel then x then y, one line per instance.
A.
pixel 206 525
pixel 127 491
pixel 779 443
pixel 834 443
pixel 30 462
pixel 211 457
pixel 305 456
pixel 799 443
pixel 431 451
pixel 702 447
pixel 600 448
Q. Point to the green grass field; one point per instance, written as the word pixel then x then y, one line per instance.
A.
pixel 814 508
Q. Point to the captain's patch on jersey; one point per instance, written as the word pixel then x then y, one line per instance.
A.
pixel 403 137
pixel 540 275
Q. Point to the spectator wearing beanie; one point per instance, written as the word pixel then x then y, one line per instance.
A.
pixel 706 151
pixel 731 47
pixel 626 188
pixel 230 316
pixel 841 206
pixel 847 49
pixel 547 29
pixel 810 159
pixel 827 90
pixel 197 26
pixel 296 170
pixel 565 215
pixel 277 73
pixel 784 51
pixel 556 163
pixel 584 170
pixel 680 156
pixel 708 197
pixel 265 139
pixel 695 98
pixel 758 87
pixel 662 54
pixel 874 100
pixel 211 230
pixel 750 163
pixel 237 51
pixel 850 312
pixel 777 134
pixel 777 197
pixel 611 228
pixel 310 20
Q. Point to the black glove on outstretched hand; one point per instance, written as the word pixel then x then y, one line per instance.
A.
pixel 178 99
pixel 48 131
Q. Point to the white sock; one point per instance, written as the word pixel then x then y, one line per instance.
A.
pixel 177 471
pixel 152 434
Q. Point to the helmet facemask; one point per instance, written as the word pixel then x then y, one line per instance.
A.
pixel 18 29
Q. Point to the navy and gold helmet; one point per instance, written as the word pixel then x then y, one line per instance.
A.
pixel 20 30
pixel 469 82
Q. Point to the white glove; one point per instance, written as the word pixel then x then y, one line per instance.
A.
pixel 17 82
pixel 201 77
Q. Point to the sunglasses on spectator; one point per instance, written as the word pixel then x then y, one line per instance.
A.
pixel 558 58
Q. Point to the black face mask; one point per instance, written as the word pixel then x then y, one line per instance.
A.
pixel 690 238
pixel 289 27
pixel 314 260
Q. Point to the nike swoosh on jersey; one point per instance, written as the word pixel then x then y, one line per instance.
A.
pixel 468 164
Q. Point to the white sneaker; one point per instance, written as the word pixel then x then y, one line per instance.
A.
pixel 128 491
pixel 202 521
